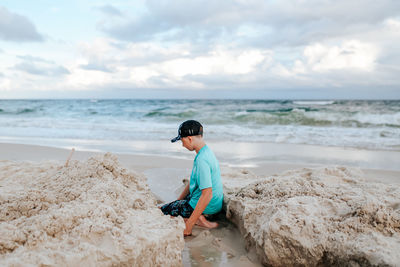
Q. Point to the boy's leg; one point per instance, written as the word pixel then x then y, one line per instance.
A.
pixel 178 208
pixel 183 208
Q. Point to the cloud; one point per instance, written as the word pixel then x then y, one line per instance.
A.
pixel 17 28
pixel 110 10
pixel 110 53
pixel 156 66
pixel 146 64
pixel 276 23
pixel 94 56
pixel 40 66
pixel 249 46
pixel 220 61
pixel 350 55
pixel 95 66
pixel 34 69
pixel 34 59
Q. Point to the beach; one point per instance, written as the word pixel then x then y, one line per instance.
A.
pixel 275 123
pixel 223 246
pixel 323 164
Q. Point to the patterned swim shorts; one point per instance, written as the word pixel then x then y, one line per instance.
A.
pixel 178 208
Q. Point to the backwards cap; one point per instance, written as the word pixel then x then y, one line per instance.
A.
pixel 188 128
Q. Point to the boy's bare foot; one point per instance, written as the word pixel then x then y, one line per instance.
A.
pixel 202 221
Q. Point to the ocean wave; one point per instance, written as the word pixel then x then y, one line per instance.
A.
pixel 379 119
pixel 26 110
pixel 281 110
pixel 322 103
pixel 303 117
pixel 21 111
pixel 183 114
pixel 357 123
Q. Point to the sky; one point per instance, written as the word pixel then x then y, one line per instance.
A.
pixel 270 49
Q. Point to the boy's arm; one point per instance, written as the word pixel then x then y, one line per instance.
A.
pixel 185 192
pixel 206 195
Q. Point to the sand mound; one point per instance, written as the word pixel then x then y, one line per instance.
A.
pixel 92 213
pixel 322 216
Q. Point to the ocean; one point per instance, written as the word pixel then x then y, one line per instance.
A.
pixel 343 123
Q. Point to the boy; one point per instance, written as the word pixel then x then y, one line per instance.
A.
pixel 203 194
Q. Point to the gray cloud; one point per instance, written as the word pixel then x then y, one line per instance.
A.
pixel 272 13
pixel 17 28
pixel 34 69
pixel 289 23
pixel 40 66
pixel 110 10
pixel 138 29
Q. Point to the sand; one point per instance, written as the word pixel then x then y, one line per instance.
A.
pixel 316 216
pixel 91 213
pixel 223 246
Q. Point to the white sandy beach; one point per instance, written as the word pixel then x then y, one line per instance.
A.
pixel 297 101
pixel 219 247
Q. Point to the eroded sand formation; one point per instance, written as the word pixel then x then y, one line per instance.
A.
pixel 92 213
pixel 323 216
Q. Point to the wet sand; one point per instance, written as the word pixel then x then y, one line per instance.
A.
pixel 83 213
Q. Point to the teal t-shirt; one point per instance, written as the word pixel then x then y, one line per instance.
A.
pixel 206 174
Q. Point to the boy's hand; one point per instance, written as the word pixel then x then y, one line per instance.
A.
pixel 206 195
pixel 188 229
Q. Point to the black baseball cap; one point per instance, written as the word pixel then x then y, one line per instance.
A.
pixel 188 128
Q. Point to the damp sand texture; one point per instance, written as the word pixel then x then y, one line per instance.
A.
pixel 317 217
pixel 91 213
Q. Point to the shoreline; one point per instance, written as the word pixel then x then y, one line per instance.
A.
pixel 100 145
pixel 261 166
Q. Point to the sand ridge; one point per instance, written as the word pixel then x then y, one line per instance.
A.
pixel 308 217
pixel 92 213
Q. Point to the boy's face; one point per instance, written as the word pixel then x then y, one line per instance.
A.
pixel 187 143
